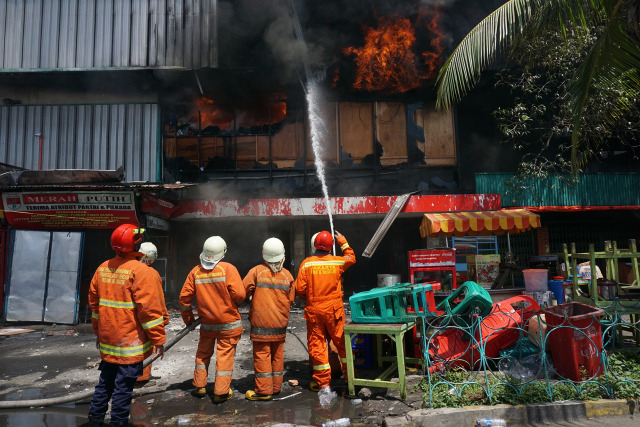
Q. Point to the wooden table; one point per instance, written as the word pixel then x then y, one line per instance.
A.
pixel 396 332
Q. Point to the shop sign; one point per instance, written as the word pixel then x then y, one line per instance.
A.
pixel 155 205
pixel 432 258
pixel 44 210
pixel 157 223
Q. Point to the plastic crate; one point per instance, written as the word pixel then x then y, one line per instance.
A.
pixel 362 359
pixel 362 341
pixel 383 305
pixel 362 345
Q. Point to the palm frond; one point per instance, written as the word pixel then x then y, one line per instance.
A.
pixel 478 49
pixel 612 64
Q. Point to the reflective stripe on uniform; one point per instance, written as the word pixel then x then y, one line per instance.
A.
pixel 268 331
pixel 135 350
pixel 343 360
pixel 152 323
pixel 272 286
pixel 117 304
pixel 221 327
pixel 321 263
pixel 95 315
pixel 210 280
pixel 264 374
pixel 343 247
pixel 224 373
pixel 278 374
pixel 185 307
pixel 321 367
pixel 201 366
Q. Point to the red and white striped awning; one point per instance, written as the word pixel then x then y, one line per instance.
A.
pixel 478 223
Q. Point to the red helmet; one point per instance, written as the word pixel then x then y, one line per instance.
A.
pixel 323 241
pixel 125 237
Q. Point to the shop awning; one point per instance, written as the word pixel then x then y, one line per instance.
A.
pixel 478 223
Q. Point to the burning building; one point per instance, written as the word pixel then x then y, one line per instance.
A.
pixel 196 114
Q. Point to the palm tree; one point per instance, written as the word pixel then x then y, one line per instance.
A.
pixel 613 61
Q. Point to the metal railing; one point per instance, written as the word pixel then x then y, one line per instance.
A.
pixel 519 351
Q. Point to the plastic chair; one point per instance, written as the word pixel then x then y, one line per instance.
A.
pixel 474 296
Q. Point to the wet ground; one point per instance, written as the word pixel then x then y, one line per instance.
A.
pixel 57 360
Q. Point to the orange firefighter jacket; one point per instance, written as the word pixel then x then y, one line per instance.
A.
pixel 272 295
pixel 218 293
pixel 127 310
pixel 319 279
pixel 158 279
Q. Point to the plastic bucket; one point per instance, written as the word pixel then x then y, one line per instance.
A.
pixel 555 286
pixel 388 280
pixel 535 279
pixel 575 337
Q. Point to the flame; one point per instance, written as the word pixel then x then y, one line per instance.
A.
pixel 208 113
pixel 433 60
pixel 278 111
pixel 387 62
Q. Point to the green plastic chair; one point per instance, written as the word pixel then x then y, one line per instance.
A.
pixel 382 305
pixel 473 296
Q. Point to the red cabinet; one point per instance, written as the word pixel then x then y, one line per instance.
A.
pixel 433 265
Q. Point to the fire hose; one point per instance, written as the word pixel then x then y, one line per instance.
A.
pixel 75 397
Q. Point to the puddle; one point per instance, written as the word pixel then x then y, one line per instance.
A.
pixel 301 409
pixel 180 408
pixel 54 416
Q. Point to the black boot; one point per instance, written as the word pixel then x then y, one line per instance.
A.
pixel 95 421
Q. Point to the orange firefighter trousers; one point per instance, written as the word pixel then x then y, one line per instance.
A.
pixel 225 353
pixel 318 327
pixel 268 364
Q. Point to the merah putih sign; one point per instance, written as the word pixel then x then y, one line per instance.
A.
pixel 69 210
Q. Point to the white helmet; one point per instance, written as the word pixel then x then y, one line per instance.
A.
pixel 273 250
pixel 149 251
pixel 313 242
pixel 213 251
pixel 273 254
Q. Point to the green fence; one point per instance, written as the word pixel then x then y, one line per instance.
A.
pixel 519 353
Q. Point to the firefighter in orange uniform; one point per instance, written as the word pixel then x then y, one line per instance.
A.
pixel 270 287
pixel 149 254
pixel 128 320
pixel 217 287
pixel 319 282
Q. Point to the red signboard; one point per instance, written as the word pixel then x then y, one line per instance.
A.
pixel 69 210
pixel 432 258
pixel 156 206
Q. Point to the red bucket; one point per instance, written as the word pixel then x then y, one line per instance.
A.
pixel 575 338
